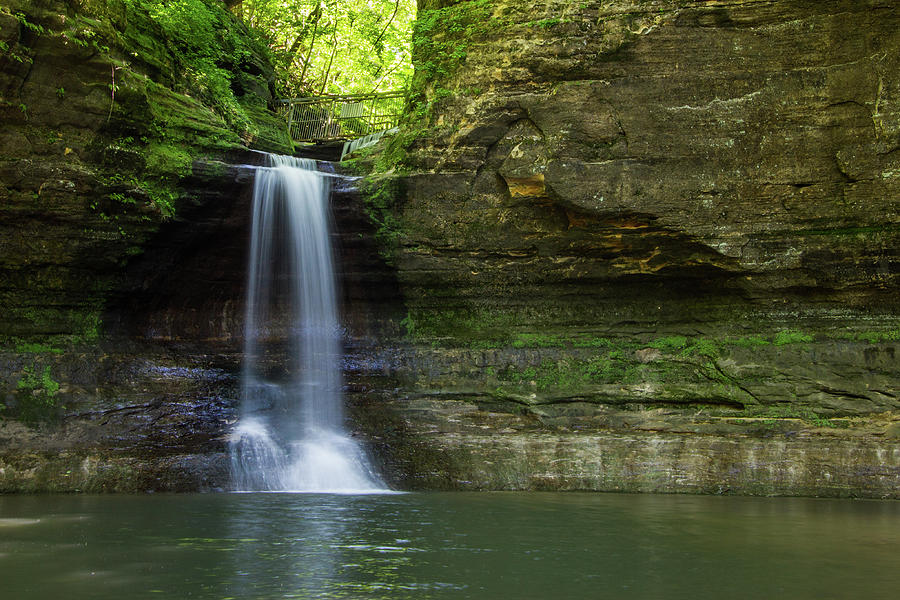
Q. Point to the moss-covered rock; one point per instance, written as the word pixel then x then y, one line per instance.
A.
pixel 633 246
pixel 113 117
pixel 104 112
pixel 673 217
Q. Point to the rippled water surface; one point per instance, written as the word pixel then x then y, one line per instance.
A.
pixel 441 545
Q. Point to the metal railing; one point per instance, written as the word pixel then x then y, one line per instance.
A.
pixel 326 118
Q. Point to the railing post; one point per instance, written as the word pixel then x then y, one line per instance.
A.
pixel 290 106
pixel 327 118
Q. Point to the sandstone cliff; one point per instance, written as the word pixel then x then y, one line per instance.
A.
pixel 650 245
pixel 111 132
pixel 645 246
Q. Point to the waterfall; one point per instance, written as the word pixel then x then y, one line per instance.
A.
pixel 290 435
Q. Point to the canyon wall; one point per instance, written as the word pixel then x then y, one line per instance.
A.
pixel 114 138
pixel 621 246
pixel 650 246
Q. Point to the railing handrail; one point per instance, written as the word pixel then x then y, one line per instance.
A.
pixel 323 97
pixel 341 116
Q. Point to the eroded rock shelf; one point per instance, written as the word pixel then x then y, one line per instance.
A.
pixel 620 246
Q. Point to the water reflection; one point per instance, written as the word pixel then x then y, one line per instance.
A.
pixel 320 546
pixel 446 546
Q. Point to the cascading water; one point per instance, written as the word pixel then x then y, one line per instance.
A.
pixel 290 436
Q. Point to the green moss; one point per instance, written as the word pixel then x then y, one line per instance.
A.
pixel 749 341
pixel 36 400
pixel 703 347
pixel 271 133
pixel 36 348
pixel 380 197
pixel 54 328
pixel 87 326
pixel 463 326
pixel 538 340
pixel 51 387
pixel 791 336
pixel 394 154
pixel 670 343
pixel 591 342
pixel 207 45
pixel 543 340
pixel 791 411
pixel 179 119
pixel 167 161
pixel 873 337
pixel 474 326
pixel 572 374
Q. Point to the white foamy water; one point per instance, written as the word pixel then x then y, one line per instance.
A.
pixel 291 436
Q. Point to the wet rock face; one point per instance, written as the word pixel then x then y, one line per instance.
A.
pixel 655 219
pixel 105 152
pixel 100 130
pixel 639 247
pixel 134 420
pixel 763 135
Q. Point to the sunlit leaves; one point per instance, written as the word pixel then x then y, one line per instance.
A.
pixel 336 46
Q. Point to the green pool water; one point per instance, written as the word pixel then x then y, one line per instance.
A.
pixel 446 545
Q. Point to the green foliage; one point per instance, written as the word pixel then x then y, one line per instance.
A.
pixel 336 46
pixel 441 38
pixel 33 27
pixel 162 196
pixel 16 52
pixel 82 33
pixel 164 164
pixel 208 47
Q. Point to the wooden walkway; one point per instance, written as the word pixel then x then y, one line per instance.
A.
pixel 330 118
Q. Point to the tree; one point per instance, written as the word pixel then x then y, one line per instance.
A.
pixel 335 46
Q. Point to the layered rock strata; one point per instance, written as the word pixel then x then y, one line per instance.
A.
pixel 112 137
pixel 651 246
pixel 624 246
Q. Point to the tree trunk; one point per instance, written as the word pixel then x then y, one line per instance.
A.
pixel 386 25
pixel 318 13
pixel 330 59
